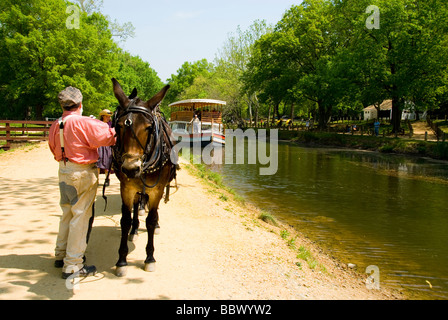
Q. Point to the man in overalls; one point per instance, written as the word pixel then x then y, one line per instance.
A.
pixel 77 155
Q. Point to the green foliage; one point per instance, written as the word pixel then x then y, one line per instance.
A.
pixel 436 150
pixel 133 72
pixel 322 51
pixel 405 59
pixel 184 79
pixel 222 79
pixel 40 56
pixel 268 218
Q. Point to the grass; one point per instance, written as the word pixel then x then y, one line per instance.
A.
pixel 224 194
pixel 305 255
pixel 23 146
pixel 214 180
pixel 436 150
pixel 442 124
pixel 284 234
pixel 268 218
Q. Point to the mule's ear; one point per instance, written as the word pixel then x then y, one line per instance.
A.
pixel 119 93
pixel 133 94
pixel 151 104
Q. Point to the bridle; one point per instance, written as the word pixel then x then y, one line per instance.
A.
pixel 156 152
pixel 156 149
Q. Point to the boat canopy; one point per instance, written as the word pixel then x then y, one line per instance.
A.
pixel 207 110
pixel 201 102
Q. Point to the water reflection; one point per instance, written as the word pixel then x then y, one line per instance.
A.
pixel 369 208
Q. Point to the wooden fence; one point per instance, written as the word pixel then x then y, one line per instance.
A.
pixel 435 127
pixel 20 130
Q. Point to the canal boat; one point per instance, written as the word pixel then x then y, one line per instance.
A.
pixel 198 121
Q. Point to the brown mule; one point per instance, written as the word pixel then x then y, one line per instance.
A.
pixel 144 164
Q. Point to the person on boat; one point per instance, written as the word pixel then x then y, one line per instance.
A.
pixel 77 154
pixel 196 123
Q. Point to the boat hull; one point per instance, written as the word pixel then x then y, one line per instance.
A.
pixel 205 137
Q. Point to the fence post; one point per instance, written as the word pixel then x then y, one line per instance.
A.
pixel 8 136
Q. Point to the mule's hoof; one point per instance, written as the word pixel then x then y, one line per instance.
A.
pixel 150 267
pixel 142 212
pixel 133 237
pixel 121 271
pixel 157 231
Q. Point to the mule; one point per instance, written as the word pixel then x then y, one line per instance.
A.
pixel 142 162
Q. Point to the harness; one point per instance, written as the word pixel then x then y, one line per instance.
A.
pixel 61 136
pixel 157 148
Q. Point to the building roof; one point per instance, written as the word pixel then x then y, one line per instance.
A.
pixel 386 105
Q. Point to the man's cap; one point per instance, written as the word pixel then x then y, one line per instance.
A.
pixel 70 97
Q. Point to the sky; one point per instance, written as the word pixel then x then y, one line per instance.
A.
pixel 170 32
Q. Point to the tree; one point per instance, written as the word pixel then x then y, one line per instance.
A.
pixel 121 31
pixel 406 58
pixel 316 44
pixel 90 6
pixel 133 72
pixel 232 60
pixel 184 78
pixel 269 72
pixel 296 60
pixel 41 57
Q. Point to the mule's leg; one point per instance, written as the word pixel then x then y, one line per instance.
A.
pixel 151 223
pixel 135 225
pixel 92 219
pixel 157 230
pixel 126 223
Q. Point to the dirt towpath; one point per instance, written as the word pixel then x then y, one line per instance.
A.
pixel 420 129
pixel 209 247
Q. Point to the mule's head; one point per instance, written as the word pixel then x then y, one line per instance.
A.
pixel 135 129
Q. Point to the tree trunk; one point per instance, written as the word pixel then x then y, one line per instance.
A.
pixel 269 114
pixel 396 110
pixel 257 107
pixel 324 115
pixel 39 112
pixel 396 114
pixel 249 101
pixel 275 113
pixel 378 110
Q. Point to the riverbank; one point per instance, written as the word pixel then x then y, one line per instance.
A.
pixel 431 149
pixel 212 245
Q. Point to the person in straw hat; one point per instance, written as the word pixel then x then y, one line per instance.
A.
pixel 105 153
pixel 74 141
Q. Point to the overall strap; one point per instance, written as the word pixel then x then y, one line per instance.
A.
pixel 61 136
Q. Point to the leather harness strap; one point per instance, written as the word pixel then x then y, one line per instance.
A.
pixel 61 136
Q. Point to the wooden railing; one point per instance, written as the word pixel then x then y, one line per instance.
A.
pixel 440 134
pixel 20 130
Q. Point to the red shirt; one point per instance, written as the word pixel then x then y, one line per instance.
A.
pixel 82 137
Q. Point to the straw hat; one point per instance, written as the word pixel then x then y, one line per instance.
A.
pixel 106 112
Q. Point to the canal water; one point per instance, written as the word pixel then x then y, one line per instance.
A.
pixel 365 208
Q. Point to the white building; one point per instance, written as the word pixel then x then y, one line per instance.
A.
pixel 371 112
pixel 408 113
